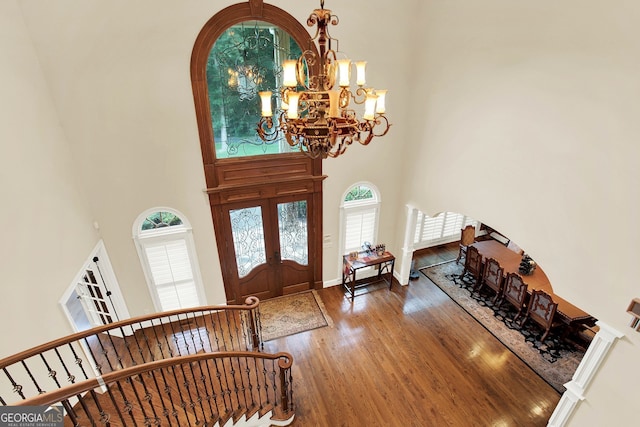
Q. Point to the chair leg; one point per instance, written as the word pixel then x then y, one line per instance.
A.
pixel 515 319
pixel 544 336
pixel 495 299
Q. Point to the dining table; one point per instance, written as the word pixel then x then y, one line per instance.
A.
pixel 537 280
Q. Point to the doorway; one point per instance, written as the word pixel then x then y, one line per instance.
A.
pixel 94 297
pixel 268 246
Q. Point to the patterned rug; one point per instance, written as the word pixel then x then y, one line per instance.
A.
pixel 555 360
pixel 292 314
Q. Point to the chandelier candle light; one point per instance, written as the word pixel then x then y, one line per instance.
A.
pixel 320 119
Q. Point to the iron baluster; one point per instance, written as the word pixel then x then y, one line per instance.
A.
pixel 17 388
pixel 33 380
pixel 113 346
pixel 116 405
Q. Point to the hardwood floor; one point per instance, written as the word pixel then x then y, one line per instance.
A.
pixel 410 357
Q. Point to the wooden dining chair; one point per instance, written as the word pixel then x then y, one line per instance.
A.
pixel 472 266
pixel 514 292
pixel 541 309
pixel 491 277
pixel 467 237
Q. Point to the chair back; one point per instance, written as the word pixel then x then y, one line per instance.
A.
pixel 542 308
pixel 492 274
pixel 473 262
pixel 467 235
pixel 515 290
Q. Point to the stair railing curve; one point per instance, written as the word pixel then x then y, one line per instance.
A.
pixel 170 392
pixel 130 342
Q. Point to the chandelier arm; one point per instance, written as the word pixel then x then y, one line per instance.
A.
pixel 266 130
pixel 379 119
pixel 322 122
pixel 360 95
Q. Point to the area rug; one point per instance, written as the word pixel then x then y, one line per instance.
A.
pixel 555 360
pixel 292 314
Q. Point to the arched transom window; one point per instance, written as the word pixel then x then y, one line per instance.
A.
pixel 244 60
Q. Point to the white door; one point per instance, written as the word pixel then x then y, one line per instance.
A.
pixel 95 295
pixel 94 298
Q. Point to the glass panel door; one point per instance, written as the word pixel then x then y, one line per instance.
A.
pixel 293 231
pixel 270 247
pixel 248 238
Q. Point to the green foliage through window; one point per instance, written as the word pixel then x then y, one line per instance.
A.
pixel 160 220
pixel 359 192
pixel 244 60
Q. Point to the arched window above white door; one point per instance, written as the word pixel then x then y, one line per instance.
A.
pixel 165 245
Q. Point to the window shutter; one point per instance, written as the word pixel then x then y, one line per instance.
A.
pixel 359 227
pixel 452 224
pixel 171 273
pixel 442 228
pixel 432 228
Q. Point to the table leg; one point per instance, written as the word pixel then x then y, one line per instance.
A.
pixel 393 263
pixel 353 285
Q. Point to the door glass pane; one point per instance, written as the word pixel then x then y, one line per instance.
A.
pixel 292 227
pixel 248 238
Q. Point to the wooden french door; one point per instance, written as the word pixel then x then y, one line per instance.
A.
pixel 268 246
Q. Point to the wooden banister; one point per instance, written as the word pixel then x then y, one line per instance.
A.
pixel 128 343
pixel 223 385
pixel 251 303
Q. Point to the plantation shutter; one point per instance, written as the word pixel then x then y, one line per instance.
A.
pixel 360 227
pixel 452 224
pixel 172 274
pixel 432 228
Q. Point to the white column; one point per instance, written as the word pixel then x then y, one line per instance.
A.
pixel 587 368
pixel 407 246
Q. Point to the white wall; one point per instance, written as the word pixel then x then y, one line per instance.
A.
pixel 46 226
pixel 531 125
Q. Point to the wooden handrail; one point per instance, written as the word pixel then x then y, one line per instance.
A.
pixel 251 303
pixel 195 390
pixel 285 361
pixel 126 343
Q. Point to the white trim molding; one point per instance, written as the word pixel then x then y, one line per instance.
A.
pixel 575 393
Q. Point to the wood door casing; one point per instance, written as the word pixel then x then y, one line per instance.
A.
pixel 246 179
pixel 255 188
pixel 269 268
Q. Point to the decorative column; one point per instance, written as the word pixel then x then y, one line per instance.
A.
pixel 407 247
pixel 589 365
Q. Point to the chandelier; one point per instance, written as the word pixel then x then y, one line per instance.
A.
pixel 320 119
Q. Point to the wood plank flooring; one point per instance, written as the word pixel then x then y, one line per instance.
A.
pixel 410 357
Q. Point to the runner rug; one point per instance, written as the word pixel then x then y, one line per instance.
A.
pixel 292 314
pixel 555 360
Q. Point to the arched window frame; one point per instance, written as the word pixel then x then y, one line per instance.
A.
pixel 235 14
pixel 174 233
pixel 357 207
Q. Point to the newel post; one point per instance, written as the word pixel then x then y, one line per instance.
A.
pixel 253 322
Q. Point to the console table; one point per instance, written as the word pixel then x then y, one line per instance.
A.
pixel 385 263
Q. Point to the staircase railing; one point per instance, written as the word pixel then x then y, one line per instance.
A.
pixel 128 343
pixel 202 389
